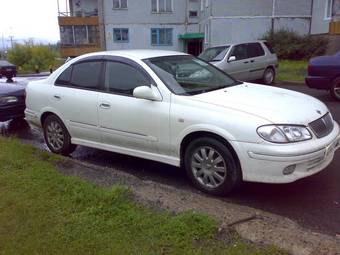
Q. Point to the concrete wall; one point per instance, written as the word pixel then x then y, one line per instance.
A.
pixel 293 7
pixel 140 37
pixel 241 8
pixel 320 25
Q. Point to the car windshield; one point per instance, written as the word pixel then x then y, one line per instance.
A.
pixel 214 54
pixel 186 75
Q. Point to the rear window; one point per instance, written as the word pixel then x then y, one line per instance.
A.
pixel 270 47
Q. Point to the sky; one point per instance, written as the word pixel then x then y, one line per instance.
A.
pixel 24 19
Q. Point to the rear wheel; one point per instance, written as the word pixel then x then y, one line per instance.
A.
pixel 211 166
pixel 57 137
pixel 335 89
pixel 268 76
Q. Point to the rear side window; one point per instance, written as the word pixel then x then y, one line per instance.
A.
pixel 123 79
pixel 270 47
pixel 240 52
pixel 255 50
pixel 86 74
pixel 65 76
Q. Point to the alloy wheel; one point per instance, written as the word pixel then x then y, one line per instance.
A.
pixel 55 135
pixel 208 167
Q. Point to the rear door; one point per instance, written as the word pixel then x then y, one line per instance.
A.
pixel 75 96
pixel 257 60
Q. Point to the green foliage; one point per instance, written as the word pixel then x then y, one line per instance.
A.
pixel 292 70
pixel 29 56
pixel 290 45
pixel 45 212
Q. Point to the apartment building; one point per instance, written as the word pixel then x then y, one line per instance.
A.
pixel 186 25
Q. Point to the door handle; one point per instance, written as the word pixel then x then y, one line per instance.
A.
pixel 57 97
pixel 252 61
pixel 105 106
pixel 246 62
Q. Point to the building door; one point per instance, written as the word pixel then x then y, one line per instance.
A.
pixel 194 46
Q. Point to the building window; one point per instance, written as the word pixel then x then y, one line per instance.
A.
pixel 328 10
pixel 119 4
pixel 161 5
pixel 121 35
pixel 193 14
pixel 206 33
pixel 161 36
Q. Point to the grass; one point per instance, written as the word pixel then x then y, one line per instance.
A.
pixel 45 212
pixel 292 71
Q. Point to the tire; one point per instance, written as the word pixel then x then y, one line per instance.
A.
pixel 57 137
pixel 335 89
pixel 268 77
pixel 211 178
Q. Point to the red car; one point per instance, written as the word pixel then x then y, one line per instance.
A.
pixel 324 73
pixel 7 69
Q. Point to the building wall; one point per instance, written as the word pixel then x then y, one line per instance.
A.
pixel 320 25
pixel 246 20
pixel 139 19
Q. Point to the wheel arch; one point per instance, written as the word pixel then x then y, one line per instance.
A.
pixel 199 134
pixel 49 112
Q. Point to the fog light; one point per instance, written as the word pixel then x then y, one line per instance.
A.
pixel 289 170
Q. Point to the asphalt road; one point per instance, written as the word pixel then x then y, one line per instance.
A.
pixel 313 202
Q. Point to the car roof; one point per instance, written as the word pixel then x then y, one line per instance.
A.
pixel 136 54
pixel 237 42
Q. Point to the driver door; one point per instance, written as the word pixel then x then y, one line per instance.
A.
pixel 126 121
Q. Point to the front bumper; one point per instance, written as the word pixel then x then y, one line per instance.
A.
pixel 12 112
pixel 265 162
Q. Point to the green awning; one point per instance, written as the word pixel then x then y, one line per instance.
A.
pixel 189 36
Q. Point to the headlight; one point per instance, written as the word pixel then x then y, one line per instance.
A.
pixel 284 133
pixel 8 100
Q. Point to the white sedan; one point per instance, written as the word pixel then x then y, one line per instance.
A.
pixel 174 108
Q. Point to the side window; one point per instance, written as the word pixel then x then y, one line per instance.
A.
pixel 86 74
pixel 240 52
pixel 123 79
pixel 270 47
pixel 64 77
pixel 255 50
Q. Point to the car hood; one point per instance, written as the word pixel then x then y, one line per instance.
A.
pixel 11 89
pixel 279 106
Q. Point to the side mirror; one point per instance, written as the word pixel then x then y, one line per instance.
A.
pixel 148 93
pixel 231 58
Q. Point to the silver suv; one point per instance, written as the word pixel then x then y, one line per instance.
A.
pixel 244 61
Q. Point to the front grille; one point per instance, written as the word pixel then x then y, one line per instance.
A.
pixel 323 126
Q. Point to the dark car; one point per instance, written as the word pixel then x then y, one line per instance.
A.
pixel 7 69
pixel 324 73
pixel 12 102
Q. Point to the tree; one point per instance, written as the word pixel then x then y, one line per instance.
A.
pixel 29 56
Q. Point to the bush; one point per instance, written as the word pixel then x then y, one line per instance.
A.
pixel 290 45
pixel 30 57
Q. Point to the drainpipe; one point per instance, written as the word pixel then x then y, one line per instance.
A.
pixel 273 18
pixel 311 17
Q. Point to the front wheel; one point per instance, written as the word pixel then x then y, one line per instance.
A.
pixel 335 89
pixel 57 137
pixel 268 76
pixel 211 166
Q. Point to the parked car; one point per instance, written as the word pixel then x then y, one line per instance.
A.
pixel 324 73
pixel 174 108
pixel 7 69
pixel 12 102
pixel 244 61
